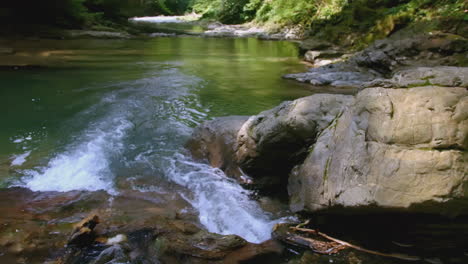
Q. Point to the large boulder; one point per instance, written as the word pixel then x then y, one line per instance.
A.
pixel 272 142
pixel 403 149
pixel 268 145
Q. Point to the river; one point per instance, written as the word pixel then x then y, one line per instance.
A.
pixel 107 114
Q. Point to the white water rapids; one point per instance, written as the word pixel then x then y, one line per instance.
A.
pixel 142 125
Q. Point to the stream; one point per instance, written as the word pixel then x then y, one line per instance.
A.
pixel 113 116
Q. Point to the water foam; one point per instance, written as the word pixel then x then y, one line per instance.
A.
pixel 224 206
pixel 18 160
pixel 85 167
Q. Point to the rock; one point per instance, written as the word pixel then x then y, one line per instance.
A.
pixel 325 57
pixel 314 44
pixel 401 149
pixel 216 141
pixel 425 76
pixel 113 254
pixel 231 31
pixel 267 252
pixel 272 142
pixel 83 234
pixel 429 49
pixel 201 245
pixel 386 57
pixel 337 75
pixel 312 55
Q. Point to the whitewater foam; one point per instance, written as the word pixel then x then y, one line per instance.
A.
pixel 224 206
pixel 18 160
pixel 85 167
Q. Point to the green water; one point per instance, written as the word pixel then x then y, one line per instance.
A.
pixel 41 106
pixel 114 115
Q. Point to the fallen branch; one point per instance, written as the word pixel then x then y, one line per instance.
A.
pixel 343 243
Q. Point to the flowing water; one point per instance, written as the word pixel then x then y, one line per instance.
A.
pixel 104 114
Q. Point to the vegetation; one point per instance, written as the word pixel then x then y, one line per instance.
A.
pixel 338 20
pixel 348 22
pixel 85 13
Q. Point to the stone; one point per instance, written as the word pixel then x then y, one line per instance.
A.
pixel 312 55
pixel 83 234
pixel 335 75
pixel 446 76
pixel 272 142
pixel 314 44
pixel 203 244
pixel 215 141
pixel 400 56
pixel 428 49
pixel 394 149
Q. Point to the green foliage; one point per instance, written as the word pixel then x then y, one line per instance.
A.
pixel 227 11
pixel 349 22
pixel 85 13
pixel 166 7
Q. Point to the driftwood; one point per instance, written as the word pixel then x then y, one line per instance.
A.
pixel 332 245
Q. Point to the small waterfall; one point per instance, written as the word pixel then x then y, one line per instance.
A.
pixel 224 206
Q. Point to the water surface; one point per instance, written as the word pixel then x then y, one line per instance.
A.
pixel 103 114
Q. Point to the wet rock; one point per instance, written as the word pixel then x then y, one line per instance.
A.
pixel 201 244
pixel 393 149
pixel 216 141
pixel 83 234
pixel 267 252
